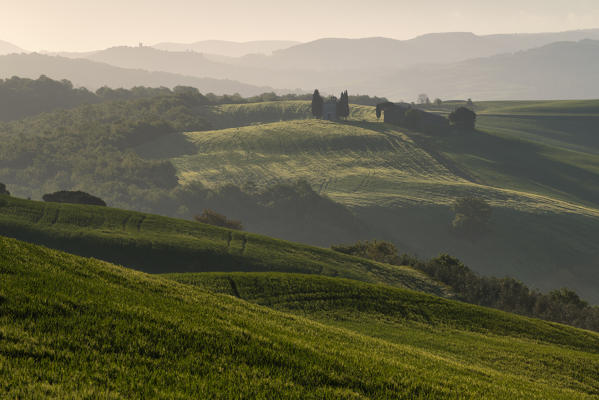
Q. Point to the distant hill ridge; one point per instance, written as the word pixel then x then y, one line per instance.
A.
pixel 228 48
pixel 9 48
pixel 93 75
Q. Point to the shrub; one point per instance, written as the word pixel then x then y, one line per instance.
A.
pixel 472 216
pixel 211 217
pixel 376 250
pixel 3 190
pixel 76 197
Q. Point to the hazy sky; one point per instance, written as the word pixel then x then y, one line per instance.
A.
pixel 93 24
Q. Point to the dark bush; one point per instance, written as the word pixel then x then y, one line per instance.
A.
pixel 3 190
pixel 211 217
pixel 472 216
pixel 76 197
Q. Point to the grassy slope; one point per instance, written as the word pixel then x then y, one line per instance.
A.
pixel 158 244
pixel 544 191
pixel 74 327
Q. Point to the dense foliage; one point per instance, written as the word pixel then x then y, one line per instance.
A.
pixel 74 197
pixel 506 294
pixel 90 148
pixel 3 190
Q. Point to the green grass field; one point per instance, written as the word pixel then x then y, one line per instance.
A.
pixel 80 328
pixel 158 244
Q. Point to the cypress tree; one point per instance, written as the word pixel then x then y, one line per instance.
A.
pixel 346 105
pixel 317 104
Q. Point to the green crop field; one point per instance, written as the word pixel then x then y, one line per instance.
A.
pixel 158 244
pixel 79 328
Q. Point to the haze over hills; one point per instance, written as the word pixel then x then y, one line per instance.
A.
pixel 228 48
pixel 434 48
pixel 447 65
pixel 9 48
pixel 94 75
pixel 563 70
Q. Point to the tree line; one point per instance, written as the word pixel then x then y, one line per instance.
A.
pixel 341 104
pixel 23 97
pixel 507 294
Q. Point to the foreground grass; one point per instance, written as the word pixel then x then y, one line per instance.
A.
pixel 80 328
pixel 159 244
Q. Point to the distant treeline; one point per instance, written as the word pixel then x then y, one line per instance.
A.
pixel 90 148
pixel 507 294
pixel 22 97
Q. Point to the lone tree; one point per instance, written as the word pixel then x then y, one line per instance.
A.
pixel 317 104
pixel 463 118
pixel 472 216
pixel 211 217
pixel 3 190
pixel 77 197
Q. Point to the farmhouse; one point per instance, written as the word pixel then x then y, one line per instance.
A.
pixel 405 115
pixel 329 110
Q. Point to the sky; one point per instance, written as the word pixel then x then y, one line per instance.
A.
pixel 80 25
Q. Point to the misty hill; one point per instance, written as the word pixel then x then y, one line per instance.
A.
pixel 228 48
pixel 200 65
pixel 395 69
pixel 9 48
pixel 93 75
pixel 563 70
pixel 434 48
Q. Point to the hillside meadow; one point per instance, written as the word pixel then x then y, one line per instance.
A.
pixel 540 182
pixel 74 327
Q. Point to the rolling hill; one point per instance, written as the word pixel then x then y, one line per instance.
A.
pixel 402 183
pixel 539 172
pixel 94 75
pixel 74 327
pixel 159 245
pixel 562 70
pixel 386 53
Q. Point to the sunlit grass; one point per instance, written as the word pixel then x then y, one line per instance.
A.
pixel 80 328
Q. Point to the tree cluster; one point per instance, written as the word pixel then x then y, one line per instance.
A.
pixel 472 216
pixel 3 190
pixel 341 104
pixel 74 197
pixel 507 294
